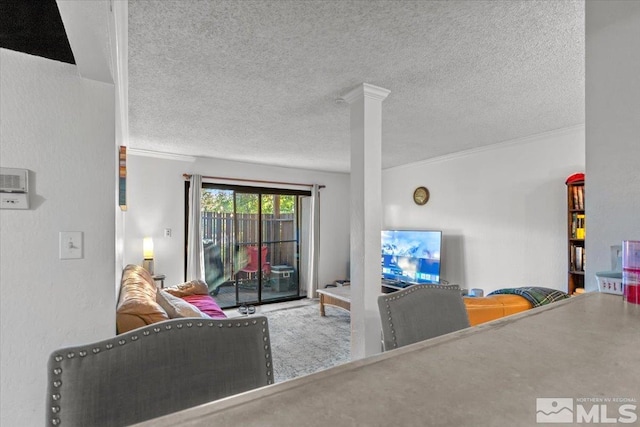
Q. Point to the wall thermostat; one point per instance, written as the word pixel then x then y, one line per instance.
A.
pixel 14 188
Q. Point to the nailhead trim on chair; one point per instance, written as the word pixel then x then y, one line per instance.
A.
pixel 57 370
pixel 403 293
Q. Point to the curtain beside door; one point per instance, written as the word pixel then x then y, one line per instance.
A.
pixel 310 242
pixel 195 251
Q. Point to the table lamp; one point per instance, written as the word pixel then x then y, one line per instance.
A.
pixel 147 250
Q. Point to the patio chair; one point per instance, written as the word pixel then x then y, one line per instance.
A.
pixel 252 265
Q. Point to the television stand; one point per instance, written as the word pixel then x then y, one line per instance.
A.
pixel 389 286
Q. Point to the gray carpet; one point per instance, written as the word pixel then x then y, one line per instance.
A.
pixel 303 342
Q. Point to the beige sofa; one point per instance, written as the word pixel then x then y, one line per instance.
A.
pixel 141 303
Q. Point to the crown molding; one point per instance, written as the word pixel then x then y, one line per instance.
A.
pixel 366 90
pixel 160 155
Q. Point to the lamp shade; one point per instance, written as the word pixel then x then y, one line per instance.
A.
pixel 147 248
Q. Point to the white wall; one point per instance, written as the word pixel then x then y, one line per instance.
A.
pixel 612 129
pixel 502 209
pixel 61 128
pixel 155 193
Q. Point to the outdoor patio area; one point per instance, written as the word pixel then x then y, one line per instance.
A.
pixel 248 293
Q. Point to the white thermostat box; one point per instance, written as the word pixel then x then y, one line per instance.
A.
pixel 14 188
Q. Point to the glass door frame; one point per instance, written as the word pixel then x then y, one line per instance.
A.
pixel 260 192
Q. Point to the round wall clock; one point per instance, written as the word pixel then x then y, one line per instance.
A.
pixel 421 195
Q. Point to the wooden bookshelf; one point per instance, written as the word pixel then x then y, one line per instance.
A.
pixel 576 235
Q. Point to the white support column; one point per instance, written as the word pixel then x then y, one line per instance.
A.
pixel 366 216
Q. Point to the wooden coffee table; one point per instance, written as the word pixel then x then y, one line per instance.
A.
pixel 340 296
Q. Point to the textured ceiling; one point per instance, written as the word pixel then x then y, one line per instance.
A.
pixel 257 81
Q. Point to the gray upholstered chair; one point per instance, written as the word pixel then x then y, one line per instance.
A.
pixel 420 312
pixel 157 369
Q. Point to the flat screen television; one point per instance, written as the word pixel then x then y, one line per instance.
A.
pixel 411 256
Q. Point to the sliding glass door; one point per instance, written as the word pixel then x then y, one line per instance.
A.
pixel 252 267
pixel 280 231
pixel 251 243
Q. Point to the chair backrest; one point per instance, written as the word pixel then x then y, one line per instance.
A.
pixel 420 312
pixel 156 370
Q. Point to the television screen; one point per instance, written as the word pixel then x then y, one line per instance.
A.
pixel 411 256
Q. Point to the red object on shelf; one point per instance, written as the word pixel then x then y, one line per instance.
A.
pixel 575 177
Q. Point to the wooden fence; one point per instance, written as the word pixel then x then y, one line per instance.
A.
pixel 278 234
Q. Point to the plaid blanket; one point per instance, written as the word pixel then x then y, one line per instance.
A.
pixel 536 295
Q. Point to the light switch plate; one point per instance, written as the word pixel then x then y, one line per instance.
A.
pixel 71 246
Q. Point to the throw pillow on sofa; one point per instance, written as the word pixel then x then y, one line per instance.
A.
pixel 193 287
pixel 177 307
pixel 196 292
pixel 207 305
